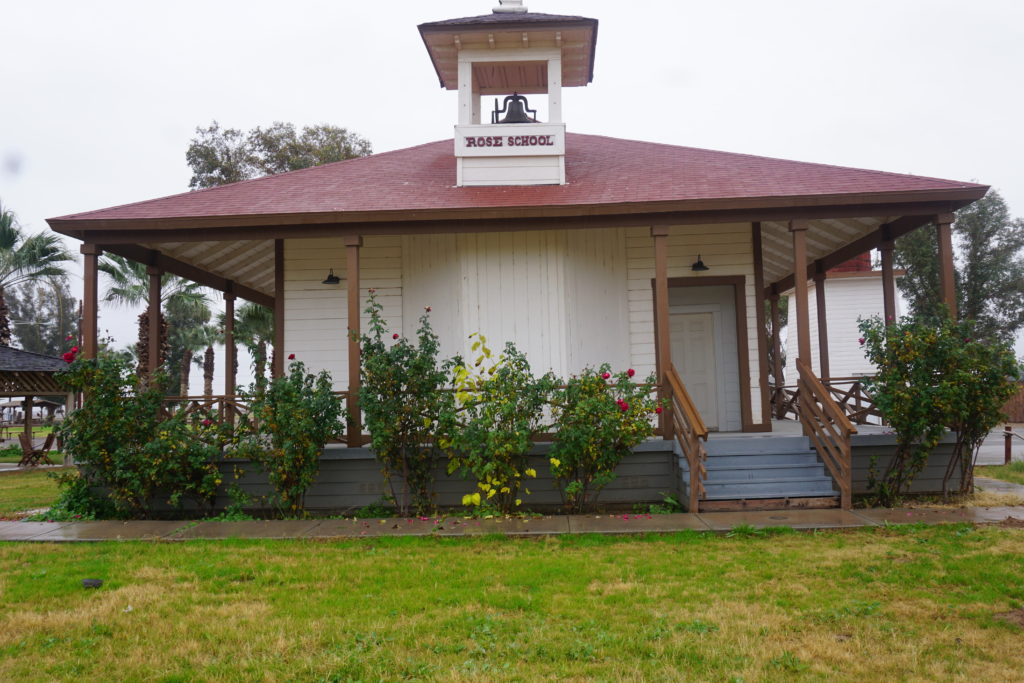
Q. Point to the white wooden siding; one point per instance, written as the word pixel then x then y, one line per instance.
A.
pixel 725 249
pixel 846 300
pixel 511 171
pixel 316 315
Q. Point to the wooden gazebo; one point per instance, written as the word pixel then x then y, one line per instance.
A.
pixel 23 373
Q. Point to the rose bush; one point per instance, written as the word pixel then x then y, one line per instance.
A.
pixel 599 418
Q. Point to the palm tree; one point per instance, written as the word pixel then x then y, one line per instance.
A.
pixel 186 340
pixel 254 329
pixel 209 335
pixel 180 299
pixel 26 259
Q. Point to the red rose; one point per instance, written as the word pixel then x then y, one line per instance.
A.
pixel 291 356
pixel 207 422
pixel 394 336
pixel 861 341
pixel 427 309
pixel 658 410
pixel 630 372
pixel 68 338
pixel 68 357
pixel 372 290
pixel 606 375
pixel 624 406
pixel 74 349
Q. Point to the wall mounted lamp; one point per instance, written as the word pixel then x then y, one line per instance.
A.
pixel 698 265
pixel 331 279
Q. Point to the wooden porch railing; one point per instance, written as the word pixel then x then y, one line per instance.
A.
pixel 690 432
pixel 849 394
pixel 828 428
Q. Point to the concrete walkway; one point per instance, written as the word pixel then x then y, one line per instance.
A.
pixel 719 522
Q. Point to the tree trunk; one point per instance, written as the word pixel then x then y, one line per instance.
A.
pixel 261 362
pixel 208 372
pixel 186 370
pixel 142 346
pixel 5 325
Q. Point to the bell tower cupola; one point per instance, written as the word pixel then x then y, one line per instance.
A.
pixel 519 61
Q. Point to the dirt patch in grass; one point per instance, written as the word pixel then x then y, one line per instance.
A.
pixel 1015 617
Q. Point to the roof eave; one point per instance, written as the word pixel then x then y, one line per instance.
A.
pixel 956 197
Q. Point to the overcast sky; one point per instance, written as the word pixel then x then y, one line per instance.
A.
pixel 101 98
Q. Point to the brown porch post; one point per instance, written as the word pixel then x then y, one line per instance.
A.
pixel 819 300
pixel 803 330
pixel 277 370
pixel 229 345
pixel 888 282
pixel 777 353
pixel 661 333
pixel 762 335
pixel 155 276
pixel 943 229
pixel 90 300
pixel 353 243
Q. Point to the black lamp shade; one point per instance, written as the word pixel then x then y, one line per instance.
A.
pixel 699 266
pixel 331 279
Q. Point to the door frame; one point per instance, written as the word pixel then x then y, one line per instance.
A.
pixel 739 286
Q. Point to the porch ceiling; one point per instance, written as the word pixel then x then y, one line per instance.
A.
pixel 247 262
pixel 251 262
pixel 824 237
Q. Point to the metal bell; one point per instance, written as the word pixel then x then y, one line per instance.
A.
pixel 515 109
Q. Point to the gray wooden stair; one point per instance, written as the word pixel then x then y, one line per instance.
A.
pixel 752 468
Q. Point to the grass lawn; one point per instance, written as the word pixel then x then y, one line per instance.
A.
pixel 25 490
pixel 892 603
pixel 1013 472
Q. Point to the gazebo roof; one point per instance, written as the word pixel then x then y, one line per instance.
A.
pixel 24 372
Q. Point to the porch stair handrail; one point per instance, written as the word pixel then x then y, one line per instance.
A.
pixel 690 433
pixel 828 428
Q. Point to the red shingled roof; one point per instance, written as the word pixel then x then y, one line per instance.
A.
pixel 600 171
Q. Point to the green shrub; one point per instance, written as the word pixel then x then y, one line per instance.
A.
pixel 122 443
pixel 931 378
pixel 599 418
pixel 76 501
pixel 403 396
pixel 290 421
pixel 500 405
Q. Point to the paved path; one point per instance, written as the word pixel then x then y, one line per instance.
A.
pixel 455 526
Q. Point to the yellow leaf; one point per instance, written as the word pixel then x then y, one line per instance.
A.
pixel 555 462
pixel 490 494
pixel 519 501
pixel 530 472
pixel 467 499
pixel 505 489
pixel 476 345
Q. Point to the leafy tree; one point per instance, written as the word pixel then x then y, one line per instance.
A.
pixel 180 299
pixel 26 259
pixel 932 377
pixel 44 315
pixel 989 269
pixel 219 156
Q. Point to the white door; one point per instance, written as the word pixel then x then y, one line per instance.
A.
pixel 693 353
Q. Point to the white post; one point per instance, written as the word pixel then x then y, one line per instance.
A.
pixel 555 90
pixel 465 93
